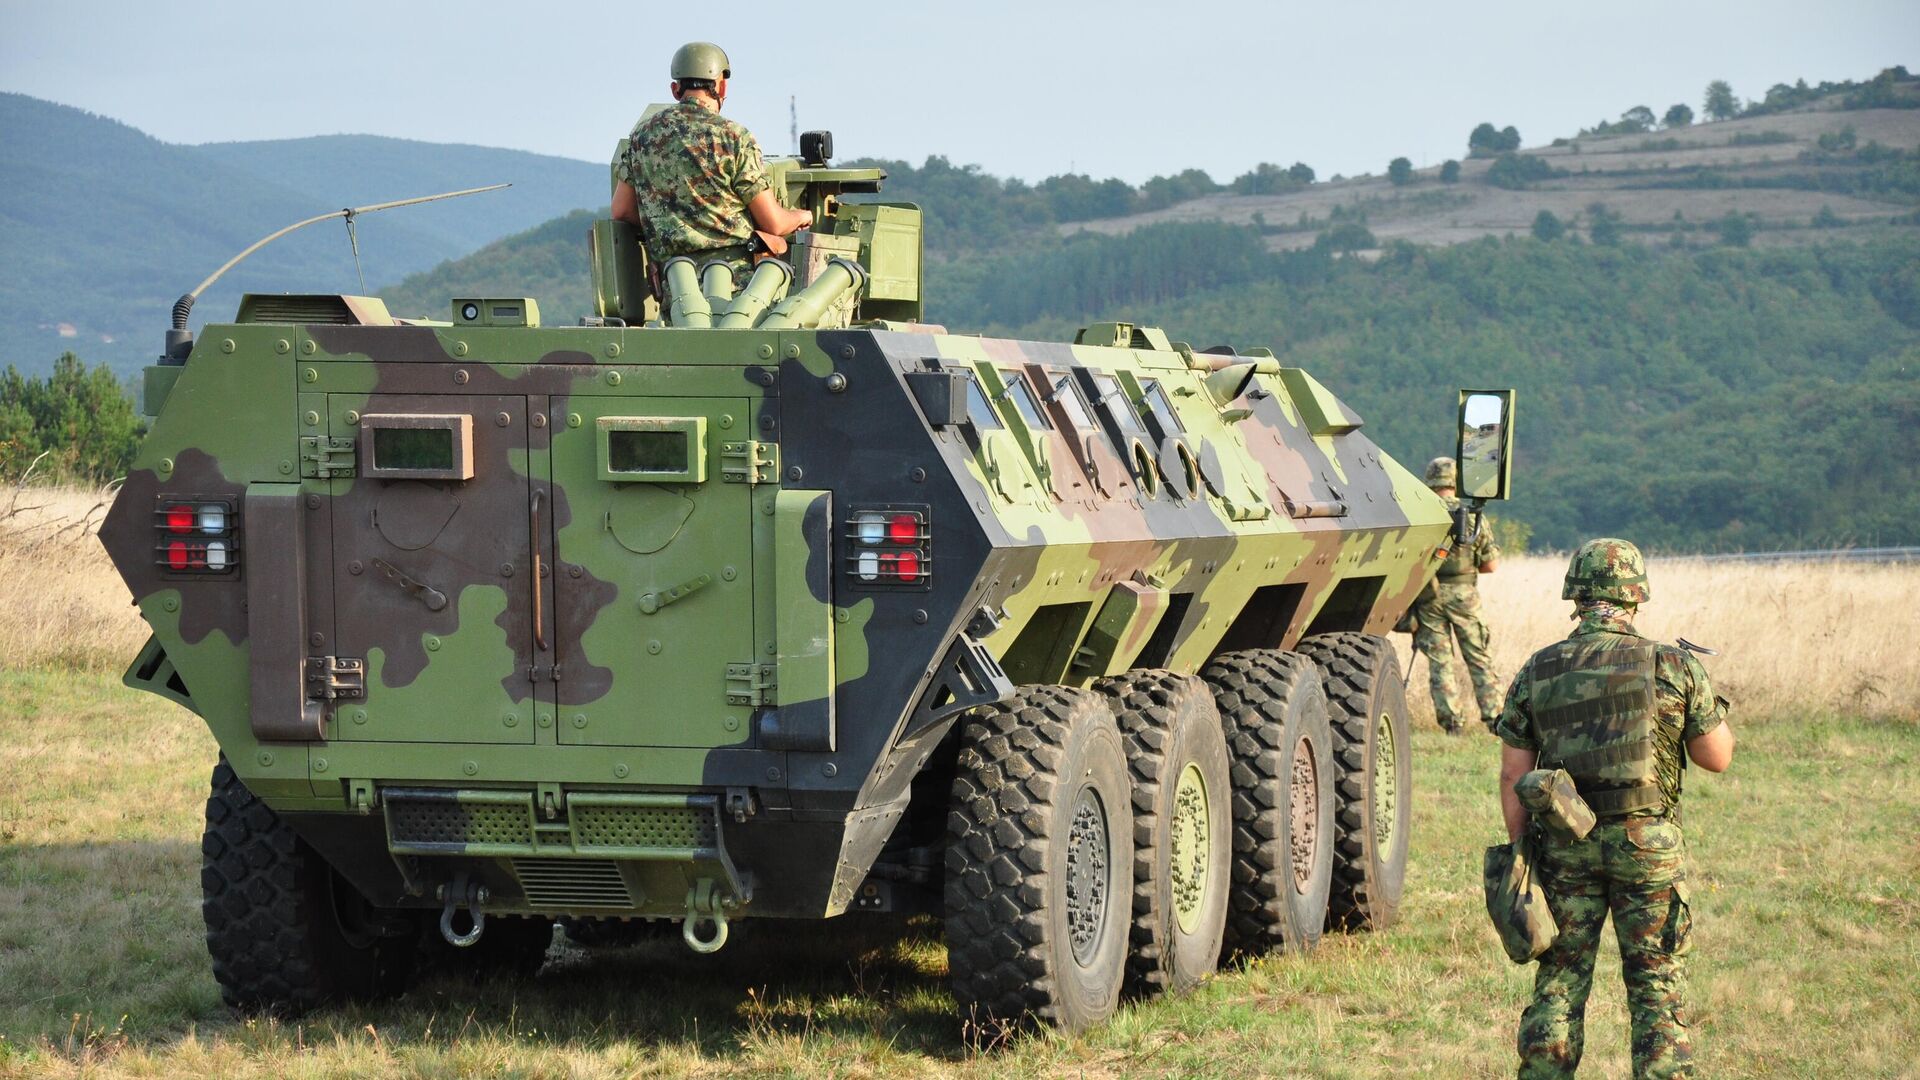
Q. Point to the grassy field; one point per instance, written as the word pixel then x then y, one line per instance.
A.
pixel 1807 955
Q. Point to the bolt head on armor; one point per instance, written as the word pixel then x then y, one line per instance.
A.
pixel 701 60
pixel 1443 472
pixel 1607 569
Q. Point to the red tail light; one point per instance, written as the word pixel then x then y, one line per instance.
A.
pixel 889 547
pixel 179 519
pixel 196 535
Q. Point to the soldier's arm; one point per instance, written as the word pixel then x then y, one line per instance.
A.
pixel 1709 737
pixel 1486 553
pixel 769 216
pixel 1514 764
pixel 626 204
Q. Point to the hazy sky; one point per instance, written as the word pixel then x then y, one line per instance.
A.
pixel 1025 89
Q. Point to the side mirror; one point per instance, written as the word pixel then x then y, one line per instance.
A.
pixel 1486 444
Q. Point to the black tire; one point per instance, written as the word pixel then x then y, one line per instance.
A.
pixel 1176 752
pixel 286 933
pixel 514 946
pixel 1281 743
pixel 1039 861
pixel 1367 699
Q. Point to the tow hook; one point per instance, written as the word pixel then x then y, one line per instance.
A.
pixel 468 895
pixel 704 905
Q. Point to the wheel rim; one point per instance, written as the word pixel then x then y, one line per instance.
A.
pixel 1192 829
pixel 1303 794
pixel 1087 866
pixel 1386 795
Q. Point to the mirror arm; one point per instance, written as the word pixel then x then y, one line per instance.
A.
pixel 1467 521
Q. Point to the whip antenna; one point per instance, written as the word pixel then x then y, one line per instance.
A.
pixel 180 341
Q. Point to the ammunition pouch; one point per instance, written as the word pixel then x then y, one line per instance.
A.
pixel 1553 800
pixel 1515 903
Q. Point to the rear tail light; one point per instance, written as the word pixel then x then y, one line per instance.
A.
pixel 890 546
pixel 196 536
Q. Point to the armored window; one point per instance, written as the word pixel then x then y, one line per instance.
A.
pixel 1118 406
pixel 417 446
pixel 1024 401
pixel 653 449
pixel 979 410
pixel 1161 407
pixel 1068 397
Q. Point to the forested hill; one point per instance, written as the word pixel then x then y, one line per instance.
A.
pixel 104 226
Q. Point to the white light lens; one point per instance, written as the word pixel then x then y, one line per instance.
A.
pixel 216 555
pixel 869 565
pixel 871 528
pixel 213 519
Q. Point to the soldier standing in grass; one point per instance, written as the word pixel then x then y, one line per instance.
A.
pixel 1450 608
pixel 1614 710
pixel 692 181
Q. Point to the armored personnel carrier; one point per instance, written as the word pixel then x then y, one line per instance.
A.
pixel 765 599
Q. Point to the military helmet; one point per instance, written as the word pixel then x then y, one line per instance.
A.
pixel 701 60
pixel 1607 569
pixel 1443 472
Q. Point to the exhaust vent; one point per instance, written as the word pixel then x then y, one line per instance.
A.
pixel 307 309
pixel 572 883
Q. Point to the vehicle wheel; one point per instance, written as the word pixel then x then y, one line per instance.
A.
pixel 510 945
pixel 1368 703
pixel 1281 745
pixel 1039 860
pixel 285 931
pixel 1182 836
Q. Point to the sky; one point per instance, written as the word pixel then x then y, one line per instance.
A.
pixel 1118 88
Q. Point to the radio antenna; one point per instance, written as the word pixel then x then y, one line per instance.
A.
pixel 180 341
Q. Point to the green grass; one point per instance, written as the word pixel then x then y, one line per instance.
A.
pixel 1805 962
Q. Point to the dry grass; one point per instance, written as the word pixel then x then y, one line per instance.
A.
pixel 1796 640
pixel 61 604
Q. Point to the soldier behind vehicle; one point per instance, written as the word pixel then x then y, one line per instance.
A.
pixel 694 182
pixel 1614 710
pixel 1449 608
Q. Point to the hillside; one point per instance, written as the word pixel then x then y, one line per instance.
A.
pixel 104 226
pixel 1771 168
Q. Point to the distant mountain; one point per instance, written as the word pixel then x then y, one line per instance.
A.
pixel 103 226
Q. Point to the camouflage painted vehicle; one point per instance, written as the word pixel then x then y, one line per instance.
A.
pixel 771 604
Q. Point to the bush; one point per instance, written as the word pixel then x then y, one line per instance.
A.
pixel 1605 224
pixel 1450 172
pixel 1348 236
pixel 1679 115
pixel 1826 218
pixel 1400 171
pixel 80 418
pixel 1735 230
pixel 1514 171
pixel 1547 227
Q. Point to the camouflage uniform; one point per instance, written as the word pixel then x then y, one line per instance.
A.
pixel 693 171
pixel 1632 864
pixel 1450 608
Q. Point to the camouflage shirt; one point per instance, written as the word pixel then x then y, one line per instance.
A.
pixel 1684 704
pixel 693 171
pixel 1466 561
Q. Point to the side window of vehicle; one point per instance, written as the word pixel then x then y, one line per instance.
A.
pixel 1067 396
pixel 1113 397
pixel 1161 407
pixel 979 410
pixel 1021 394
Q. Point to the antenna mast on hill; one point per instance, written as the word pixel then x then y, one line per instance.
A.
pixel 793 125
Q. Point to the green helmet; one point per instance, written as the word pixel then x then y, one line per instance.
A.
pixel 1607 569
pixel 1443 472
pixel 701 60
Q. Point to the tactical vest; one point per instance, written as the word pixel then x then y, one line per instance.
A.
pixel 1593 709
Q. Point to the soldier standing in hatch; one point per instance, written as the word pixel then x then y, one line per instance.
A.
pixel 1450 608
pixel 1615 710
pixel 692 181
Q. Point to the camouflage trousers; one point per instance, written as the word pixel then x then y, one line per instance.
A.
pixel 1453 611
pixel 1635 869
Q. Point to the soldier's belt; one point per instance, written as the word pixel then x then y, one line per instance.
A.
pixel 1471 575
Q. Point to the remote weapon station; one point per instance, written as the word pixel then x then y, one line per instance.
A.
pixel 758 597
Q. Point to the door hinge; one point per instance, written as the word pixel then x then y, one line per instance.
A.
pixel 325 456
pixel 750 684
pixel 330 678
pixel 749 462
pixel 538 672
